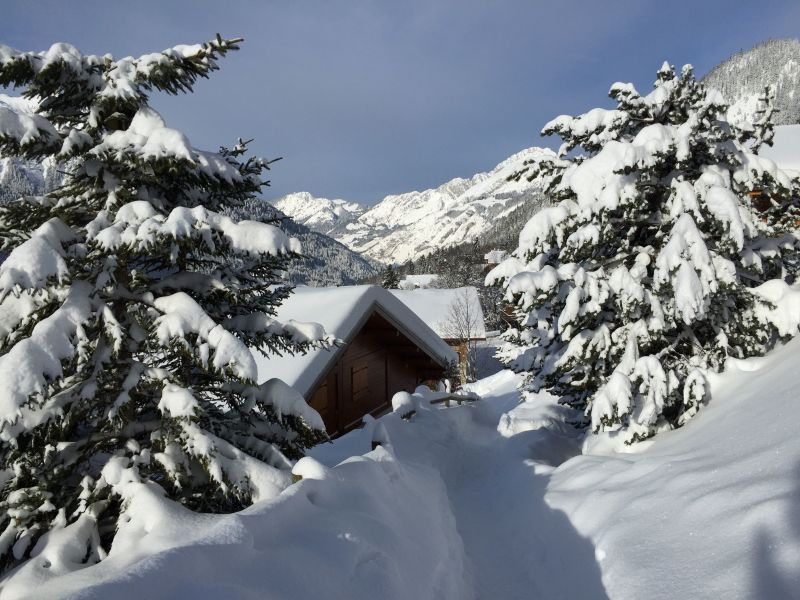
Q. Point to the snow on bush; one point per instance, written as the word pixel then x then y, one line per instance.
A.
pixel 129 305
pixel 638 281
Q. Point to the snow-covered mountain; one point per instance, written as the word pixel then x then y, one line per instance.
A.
pixel 320 214
pixel 744 75
pixel 406 226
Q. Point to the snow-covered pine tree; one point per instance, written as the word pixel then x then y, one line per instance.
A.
pixel 128 307
pixel 389 278
pixel 638 281
pixel 780 211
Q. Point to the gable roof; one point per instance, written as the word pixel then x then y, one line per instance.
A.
pixel 433 306
pixel 342 311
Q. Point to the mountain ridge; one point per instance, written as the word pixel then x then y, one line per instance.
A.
pixel 321 214
pixel 403 227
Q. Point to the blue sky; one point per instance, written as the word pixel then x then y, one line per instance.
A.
pixel 365 98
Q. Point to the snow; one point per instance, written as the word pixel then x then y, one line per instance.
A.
pixel 412 282
pixel 137 225
pixel 785 310
pixel 785 150
pixel 593 125
pixel 495 257
pixel 489 499
pixel 177 401
pixel 182 315
pixel 724 205
pixel 27 367
pixel 685 263
pixel 341 311
pixel 321 214
pixel 433 305
pixel 44 250
pixel 18 104
pixel 348 531
pixel 286 400
pixel 531 283
pixel 713 502
pixel 26 129
pixel 148 137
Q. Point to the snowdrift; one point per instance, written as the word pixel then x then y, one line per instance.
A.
pixel 709 510
pixel 368 526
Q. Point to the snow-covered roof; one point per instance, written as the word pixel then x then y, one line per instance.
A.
pixel 495 257
pixel 433 307
pixel 423 280
pixel 342 311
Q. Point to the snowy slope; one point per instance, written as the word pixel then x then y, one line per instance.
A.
pixel 743 76
pixel 406 226
pixel 785 150
pixel 319 214
pixel 714 504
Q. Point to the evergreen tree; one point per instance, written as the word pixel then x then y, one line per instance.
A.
pixel 390 279
pixel 128 307
pixel 637 282
pixel 762 130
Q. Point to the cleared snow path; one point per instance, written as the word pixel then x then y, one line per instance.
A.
pixel 516 545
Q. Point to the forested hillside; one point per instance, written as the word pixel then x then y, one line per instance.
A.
pixel 325 261
pixel 744 76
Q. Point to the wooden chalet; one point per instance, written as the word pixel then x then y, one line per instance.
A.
pixel 384 348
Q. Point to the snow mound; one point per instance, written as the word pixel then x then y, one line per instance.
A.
pixel 482 501
pixel 368 524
